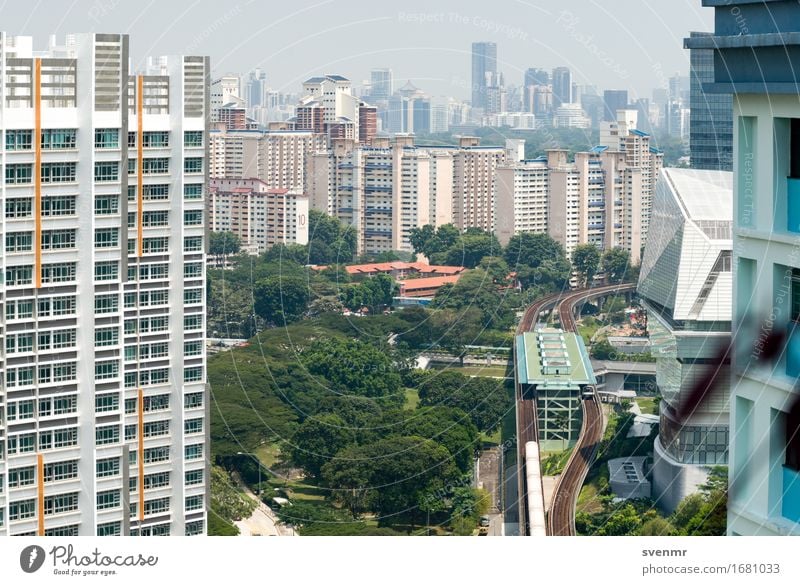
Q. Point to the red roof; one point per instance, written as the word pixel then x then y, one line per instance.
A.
pixel 379 267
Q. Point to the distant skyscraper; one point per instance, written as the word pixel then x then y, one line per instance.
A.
pixel 711 114
pixel 104 418
pixel 382 84
pixel 256 88
pixel 614 99
pixel 562 86
pixel 536 77
pixel 484 71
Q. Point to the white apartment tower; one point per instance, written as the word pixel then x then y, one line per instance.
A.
pixel 103 406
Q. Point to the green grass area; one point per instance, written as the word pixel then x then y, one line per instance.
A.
pixel 553 462
pixel 493 439
pixel 412 399
pixel 269 454
pixel 588 501
pixel 647 405
pixel 493 371
pixel 587 328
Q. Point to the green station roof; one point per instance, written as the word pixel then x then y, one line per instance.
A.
pixel 552 358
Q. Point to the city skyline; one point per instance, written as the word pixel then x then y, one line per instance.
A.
pixel 529 34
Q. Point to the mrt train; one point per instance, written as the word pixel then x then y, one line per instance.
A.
pixel 533 477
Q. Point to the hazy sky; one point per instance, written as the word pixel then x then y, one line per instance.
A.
pixel 625 44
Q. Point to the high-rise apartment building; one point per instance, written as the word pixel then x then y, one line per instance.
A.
pixel 474 176
pixel 276 157
pixel 598 198
pixel 329 107
pixel 484 71
pixel 764 462
pixel 103 405
pixel 710 114
pixel 261 216
pixel 383 191
pixel 685 285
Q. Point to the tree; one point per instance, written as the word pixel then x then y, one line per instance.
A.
pixel 449 427
pixel 586 261
pixel 455 330
pixel 484 399
pixel 224 244
pixel 616 264
pixel 496 267
pixel 280 300
pixel 528 249
pixel 471 248
pixel 549 275
pixel 657 527
pixel 430 241
pixel 329 240
pixel 318 439
pixel 351 367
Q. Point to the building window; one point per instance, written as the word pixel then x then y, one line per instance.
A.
pixel 108 467
pixel 193 296
pixel 156 193
pixel 193 244
pixel 58 205
pixel 106 138
pixel 21 476
pixel 158 245
pixel 193 191
pixel 109 529
pixel 60 503
pixel 156 480
pixel 58 139
pixel 19 241
pixel 155 218
pixel 156 454
pixel 22 509
pixel 19 207
pixel 193 322
pixel 105 370
pixel 193 451
pixel 156 428
pixel 106 172
pixel 60 172
pixel 61 272
pixel 107 434
pixel 193 374
pixel 106 304
pixel 106 402
pixel 155 403
pixel 193 138
pixel 194 477
pixel 193 165
pixel 157 506
pixel 106 270
pixel 156 166
pixel 156 139
pixel 19 275
pixel 108 499
pixel 194 528
pixel 193 217
pixel 192 348
pixel 60 471
pixel 71 530
pixel 58 239
pixel 19 139
pixel 106 204
pixel 19 174
pixel 193 270
pixel 106 238
pixel 192 426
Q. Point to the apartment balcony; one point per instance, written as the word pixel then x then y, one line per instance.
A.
pixel 791 494
pixel 793 204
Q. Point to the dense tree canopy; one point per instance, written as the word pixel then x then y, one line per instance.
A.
pixel 349 366
pixel 280 300
pixel 616 264
pixel 485 400
pixel 224 244
pixel 586 260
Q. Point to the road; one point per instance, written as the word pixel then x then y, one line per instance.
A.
pixel 263 521
pixel 489 478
